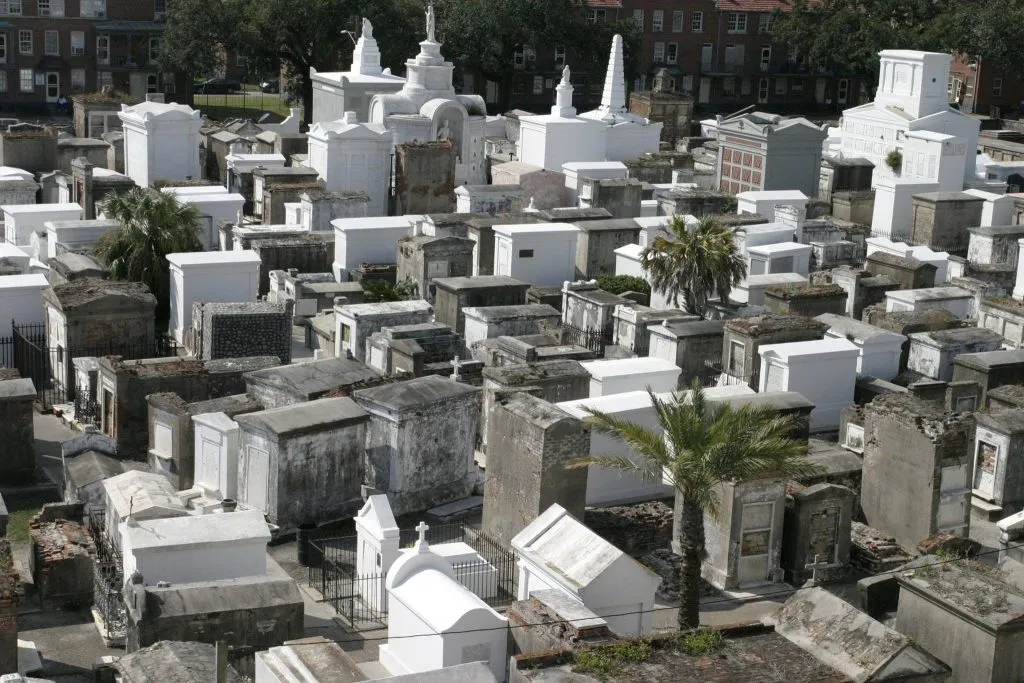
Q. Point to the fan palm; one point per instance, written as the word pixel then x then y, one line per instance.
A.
pixel 153 225
pixel 699 447
pixel 694 262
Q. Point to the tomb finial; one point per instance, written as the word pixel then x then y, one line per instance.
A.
pixel 367 29
pixel 565 75
pixel 430 23
pixel 421 544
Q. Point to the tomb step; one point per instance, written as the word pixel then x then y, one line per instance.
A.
pixel 455 509
pixel 985 511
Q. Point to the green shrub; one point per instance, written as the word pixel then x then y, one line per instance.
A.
pixel 702 641
pixel 894 160
pixel 617 284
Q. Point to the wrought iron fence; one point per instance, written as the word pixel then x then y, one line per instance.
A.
pixel 717 375
pixel 51 369
pixel 87 409
pixel 108 577
pixel 589 338
pixel 360 596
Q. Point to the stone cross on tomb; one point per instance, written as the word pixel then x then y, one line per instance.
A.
pixel 421 544
pixel 814 567
pixel 456 366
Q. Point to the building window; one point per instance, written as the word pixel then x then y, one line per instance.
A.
pixel 10 7
pixel 168 81
pixel 766 57
pixel 78 80
pixel 969 90
pixel 672 53
pixel 77 43
pixel 152 83
pixel 3 81
pixel 526 253
pixel 94 9
pixel 3 48
pixel 559 57
pixel 519 58
pixel 638 17
pixel 687 83
pixel 677 21
pixel 538 85
pixel 154 49
pixel 659 53
pixel 697 22
pixel 744 86
pixel 25 42
pixel 596 16
pixel 997 87
pixel 51 8
pixel 765 23
pixel 103 49
pixel 780 86
pixel 843 91
pixel 518 87
pixel 729 86
pixel 26 78
pixel 51 43
pixel 104 78
pixel 762 90
pixel 737 22
pixel 658 20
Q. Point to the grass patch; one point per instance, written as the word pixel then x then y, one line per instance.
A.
pixel 239 105
pixel 702 642
pixel 21 513
pixel 604 661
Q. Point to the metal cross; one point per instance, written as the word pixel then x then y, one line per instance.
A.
pixel 814 567
pixel 422 529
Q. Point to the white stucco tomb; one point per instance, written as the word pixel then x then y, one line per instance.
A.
pixel 367 240
pixel 353 157
pixel 782 257
pixel 552 140
pixel 216 454
pixel 880 349
pixel 607 486
pixel 434 621
pixel 77 236
pixel 911 96
pixel 193 548
pixel 216 277
pixel 13 260
pixel 558 552
pixel 541 253
pixel 214 208
pixel 336 92
pixel 802 367
pixel 763 202
pixel 622 375
pixel 599 170
pixel 161 142
pixel 628 136
pixel 751 289
pixel 427 108
pixel 21 300
pixel 939 259
pixel 22 220
pixel 142 495
pixel 957 301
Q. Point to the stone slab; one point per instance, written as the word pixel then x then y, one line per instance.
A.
pixel 456 508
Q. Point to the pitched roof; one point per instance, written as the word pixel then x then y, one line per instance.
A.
pixel 757 5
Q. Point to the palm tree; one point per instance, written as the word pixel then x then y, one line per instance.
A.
pixel 694 262
pixel 699 447
pixel 153 225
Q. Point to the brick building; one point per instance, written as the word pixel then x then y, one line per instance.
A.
pixel 50 48
pixel 981 88
pixel 719 51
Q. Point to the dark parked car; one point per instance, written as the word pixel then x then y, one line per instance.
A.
pixel 218 86
pixel 271 85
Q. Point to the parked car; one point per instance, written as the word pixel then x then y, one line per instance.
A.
pixel 271 85
pixel 218 86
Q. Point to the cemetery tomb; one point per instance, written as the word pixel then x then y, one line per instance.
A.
pixel 785 257
pixel 880 350
pixel 543 253
pixel 161 142
pixel 434 621
pixel 623 375
pixel 800 367
pixel 218 277
pixel 22 221
pixel 558 552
